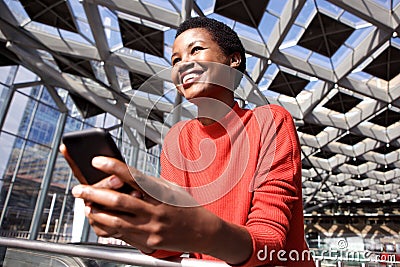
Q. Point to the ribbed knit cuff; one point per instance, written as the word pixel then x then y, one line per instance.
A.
pixel 162 254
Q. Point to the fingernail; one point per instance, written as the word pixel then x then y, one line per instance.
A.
pixel 61 147
pixel 137 194
pixel 115 182
pixel 87 210
pixel 77 191
pixel 99 161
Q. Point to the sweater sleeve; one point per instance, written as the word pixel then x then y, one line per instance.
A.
pixel 275 188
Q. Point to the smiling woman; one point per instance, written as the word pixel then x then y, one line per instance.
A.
pixel 193 74
pixel 231 179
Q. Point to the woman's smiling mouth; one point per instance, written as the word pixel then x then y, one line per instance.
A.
pixel 191 76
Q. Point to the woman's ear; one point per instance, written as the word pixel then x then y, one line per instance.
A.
pixel 236 59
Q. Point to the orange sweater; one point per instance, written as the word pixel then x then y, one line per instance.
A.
pixel 247 170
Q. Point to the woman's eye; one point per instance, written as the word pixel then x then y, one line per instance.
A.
pixel 196 48
pixel 175 61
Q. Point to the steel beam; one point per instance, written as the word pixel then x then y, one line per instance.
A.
pixel 96 25
pixel 372 12
pixel 142 10
pixel 65 81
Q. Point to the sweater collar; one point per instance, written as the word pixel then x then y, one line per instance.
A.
pixel 222 126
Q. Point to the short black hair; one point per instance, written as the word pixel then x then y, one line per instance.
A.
pixel 222 34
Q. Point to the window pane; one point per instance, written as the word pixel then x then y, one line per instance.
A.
pixel 4 91
pixel 61 173
pixel 39 93
pixel 34 161
pixel 44 124
pixel 65 221
pixel 72 125
pixel 8 160
pixel 25 188
pixel 46 98
pixel 60 218
pixel 25 75
pixel 18 115
pixel 7 74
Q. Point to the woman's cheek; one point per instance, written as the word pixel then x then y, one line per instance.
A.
pixel 175 76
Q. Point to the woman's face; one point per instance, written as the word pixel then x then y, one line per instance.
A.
pixel 200 67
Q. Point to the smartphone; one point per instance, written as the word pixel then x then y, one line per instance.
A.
pixel 83 146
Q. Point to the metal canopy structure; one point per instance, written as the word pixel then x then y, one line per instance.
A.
pixel 333 64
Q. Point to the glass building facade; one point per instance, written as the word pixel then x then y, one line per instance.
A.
pixel 32 125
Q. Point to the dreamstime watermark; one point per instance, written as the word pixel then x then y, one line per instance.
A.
pixel 332 254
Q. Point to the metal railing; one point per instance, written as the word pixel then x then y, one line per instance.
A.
pixel 129 255
pixel 121 255
pixel 50 237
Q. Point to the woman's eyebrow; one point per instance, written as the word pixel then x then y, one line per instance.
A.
pixel 195 41
pixel 189 45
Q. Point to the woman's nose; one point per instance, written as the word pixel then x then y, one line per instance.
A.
pixel 179 69
pixel 185 65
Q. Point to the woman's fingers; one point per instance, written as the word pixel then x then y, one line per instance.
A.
pixel 112 200
pixel 125 228
pixel 117 168
pixel 111 182
pixel 114 222
pixel 111 166
pixel 157 189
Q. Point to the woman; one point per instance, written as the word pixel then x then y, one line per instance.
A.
pixel 245 204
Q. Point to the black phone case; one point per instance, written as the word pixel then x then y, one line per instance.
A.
pixel 83 146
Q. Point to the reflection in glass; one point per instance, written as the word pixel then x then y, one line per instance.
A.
pixel 26 139
pixel 17 117
pixel 7 74
pixel 24 169
pixel 44 124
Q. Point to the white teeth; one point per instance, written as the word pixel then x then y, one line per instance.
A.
pixel 190 76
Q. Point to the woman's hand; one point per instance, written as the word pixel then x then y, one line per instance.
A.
pixel 156 215
pixel 141 220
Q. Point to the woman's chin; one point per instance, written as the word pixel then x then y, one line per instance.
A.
pixel 192 98
pixel 193 92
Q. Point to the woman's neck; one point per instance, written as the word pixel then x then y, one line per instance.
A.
pixel 210 111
